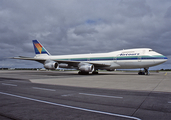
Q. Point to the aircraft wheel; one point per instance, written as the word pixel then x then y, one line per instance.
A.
pixel 141 73
pixel 83 73
pixel 94 72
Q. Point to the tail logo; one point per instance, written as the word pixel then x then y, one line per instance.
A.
pixel 39 47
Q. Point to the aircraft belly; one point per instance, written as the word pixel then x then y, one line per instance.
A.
pixel 104 64
pixel 128 64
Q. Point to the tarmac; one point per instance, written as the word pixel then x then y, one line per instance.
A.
pixel 65 95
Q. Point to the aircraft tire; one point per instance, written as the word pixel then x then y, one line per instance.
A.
pixel 95 73
pixel 141 73
pixel 83 73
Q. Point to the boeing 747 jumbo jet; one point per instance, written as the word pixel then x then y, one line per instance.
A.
pixel 85 63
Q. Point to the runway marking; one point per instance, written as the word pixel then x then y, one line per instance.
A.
pixel 43 89
pixel 100 95
pixel 165 73
pixel 67 95
pixel 8 84
pixel 19 81
pixel 72 107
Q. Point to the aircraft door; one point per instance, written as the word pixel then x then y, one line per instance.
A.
pixel 114 59
pixel 139 59
pixel 88 59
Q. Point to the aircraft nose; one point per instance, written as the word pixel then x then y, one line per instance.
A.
pixel 160 60
pixel 164 59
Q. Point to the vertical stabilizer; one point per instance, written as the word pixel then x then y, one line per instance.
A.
pixel 39 49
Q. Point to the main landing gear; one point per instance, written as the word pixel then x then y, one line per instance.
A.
pixel 145 72
pixel 95 72
pixel 86 73
pixel 83 73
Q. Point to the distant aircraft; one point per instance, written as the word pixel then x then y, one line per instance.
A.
pixel 85 63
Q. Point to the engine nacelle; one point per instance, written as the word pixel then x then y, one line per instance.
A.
pixel 86 67
pixel 51 65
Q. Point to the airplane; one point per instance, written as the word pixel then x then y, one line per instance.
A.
pixel 91 63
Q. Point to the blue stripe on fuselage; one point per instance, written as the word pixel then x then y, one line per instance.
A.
pixel 118 58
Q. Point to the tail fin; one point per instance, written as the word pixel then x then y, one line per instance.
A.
pixel 39 49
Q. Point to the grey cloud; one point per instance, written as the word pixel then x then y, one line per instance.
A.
pixel 134 8
pixel 168 13
pixel 79 26
pixel 84 30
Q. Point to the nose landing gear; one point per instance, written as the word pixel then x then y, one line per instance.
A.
pixel 145 72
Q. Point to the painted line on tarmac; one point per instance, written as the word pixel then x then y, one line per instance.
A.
pixel 19 81
pixel 101 95
pixel 72 107
pixel 9 84
pixel 67 95
pixel 43 89
pixel 165 73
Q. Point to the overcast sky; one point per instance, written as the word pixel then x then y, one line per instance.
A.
pixel 83 26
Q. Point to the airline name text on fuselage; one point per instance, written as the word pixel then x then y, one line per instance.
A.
pixel 129 54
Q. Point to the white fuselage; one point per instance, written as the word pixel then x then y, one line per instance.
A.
pixel 123 59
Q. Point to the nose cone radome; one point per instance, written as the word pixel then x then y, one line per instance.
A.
pixel 163 59
pixel 160 60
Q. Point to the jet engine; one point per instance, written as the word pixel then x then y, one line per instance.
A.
pixel 51 65
pixel 86 67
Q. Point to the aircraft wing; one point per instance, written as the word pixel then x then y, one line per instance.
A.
pixel 41 60
pixel 76 63
pixel 70 63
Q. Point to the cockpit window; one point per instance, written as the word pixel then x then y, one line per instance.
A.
pixel 150 50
